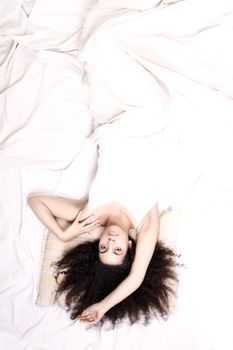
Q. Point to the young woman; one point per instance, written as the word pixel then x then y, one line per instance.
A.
pixel 114 276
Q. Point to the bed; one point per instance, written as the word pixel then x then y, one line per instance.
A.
pixel 48 145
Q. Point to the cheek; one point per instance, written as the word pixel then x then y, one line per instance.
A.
pixel 102 241
pixel 124 245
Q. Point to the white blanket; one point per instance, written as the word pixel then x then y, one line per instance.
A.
pixel 43 103
pixel 45 121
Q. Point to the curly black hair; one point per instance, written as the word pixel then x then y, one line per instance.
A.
pixel 86 280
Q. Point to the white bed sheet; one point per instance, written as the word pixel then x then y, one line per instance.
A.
pixel 203 319
pixel 42 96
pixel 203 190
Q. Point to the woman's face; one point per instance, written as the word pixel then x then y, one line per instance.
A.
pixel 113 245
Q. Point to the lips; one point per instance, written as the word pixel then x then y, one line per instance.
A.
pixel 113 234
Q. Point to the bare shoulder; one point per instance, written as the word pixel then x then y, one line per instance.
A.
pixel 151 218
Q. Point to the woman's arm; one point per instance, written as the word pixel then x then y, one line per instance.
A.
pixel 50 208
pixel 147 238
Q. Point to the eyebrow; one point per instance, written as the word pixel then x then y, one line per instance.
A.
pixel 113 252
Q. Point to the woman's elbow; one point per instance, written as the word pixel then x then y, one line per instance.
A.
pixel 32 200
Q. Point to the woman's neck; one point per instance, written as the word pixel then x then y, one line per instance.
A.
pixel 118 216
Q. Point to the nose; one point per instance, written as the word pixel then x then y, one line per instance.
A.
pixel 111 239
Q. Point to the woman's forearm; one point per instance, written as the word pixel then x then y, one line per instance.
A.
pixel 125 288
pixel 49 209
pixel 44 214
pixel 70 232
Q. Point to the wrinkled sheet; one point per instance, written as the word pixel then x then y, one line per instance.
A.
pixel 203 318
pixel 171 99
pixel 42 93
pixel 42 96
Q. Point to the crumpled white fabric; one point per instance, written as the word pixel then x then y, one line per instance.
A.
pixel 44 117
pixel 162 70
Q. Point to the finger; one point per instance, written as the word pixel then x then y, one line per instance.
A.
pixel 94 223
pixel 90 226
pixel 87 320
pixel 86 316
pixel 83 319
pixel 83 221
pixel 83 217
pixel 86 313
pixel 90 219
pixel 80 317
pixel 90 321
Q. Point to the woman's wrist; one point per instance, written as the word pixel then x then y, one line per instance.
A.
pixel 104 305
pixel 61 235
pixel 69 233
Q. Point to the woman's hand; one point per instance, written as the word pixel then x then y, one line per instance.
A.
pixel 87 224
pixel 92 314
pixel 80 226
